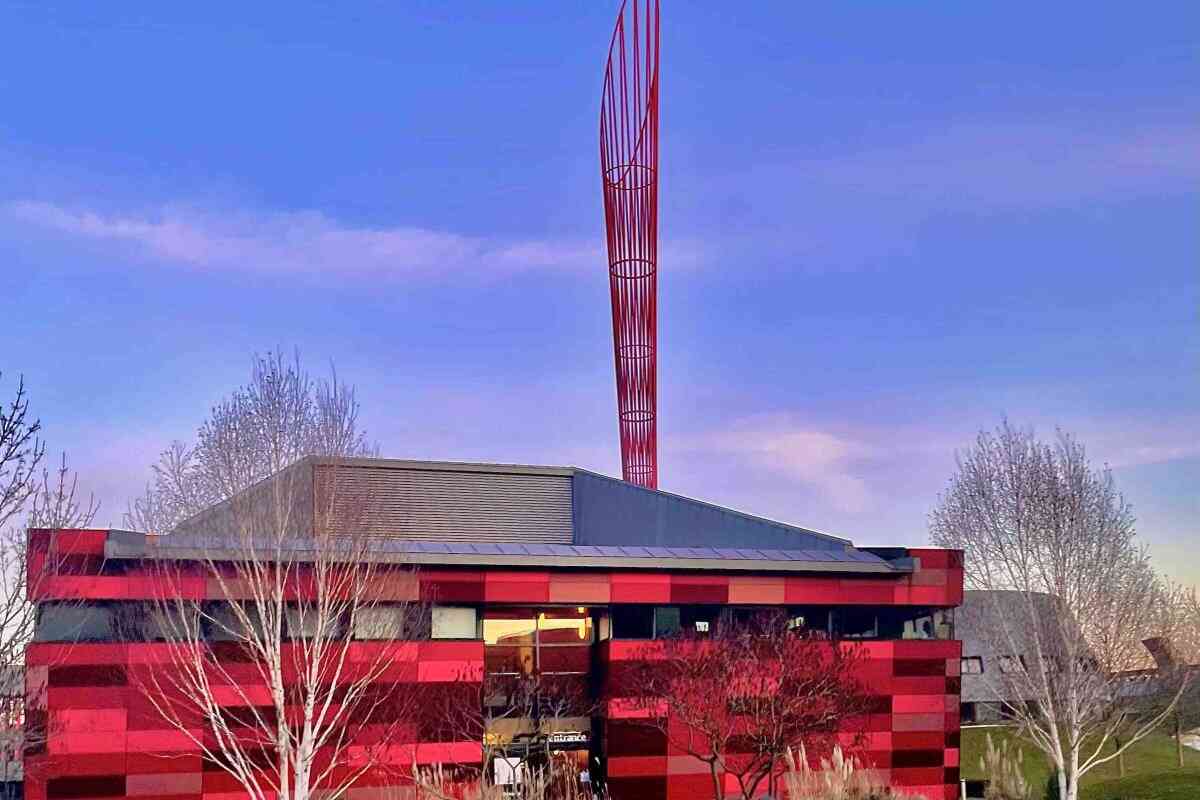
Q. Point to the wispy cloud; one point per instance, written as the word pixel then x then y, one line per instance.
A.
pixel 1131 443
pixel 857 468
pixel 820 460
pixel 1029 165
pixel 309 243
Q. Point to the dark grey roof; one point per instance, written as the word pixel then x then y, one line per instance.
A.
pixel 608 511
pixel 442 501
pixel 532 555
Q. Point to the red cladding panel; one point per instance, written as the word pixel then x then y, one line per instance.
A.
pixel 517 587
pixel 626 766
pixel 800 590
pixel 758 590
pixel 448 586
pixel 700 589
pixel 78 542
pixel 641 587
pixel 584 589
pixel 865 592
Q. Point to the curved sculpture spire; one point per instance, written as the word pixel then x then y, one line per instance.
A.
pixel 629 175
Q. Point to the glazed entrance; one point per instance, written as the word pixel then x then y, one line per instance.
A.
pixel 539 701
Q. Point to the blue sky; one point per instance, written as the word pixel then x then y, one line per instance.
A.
pixel 883 227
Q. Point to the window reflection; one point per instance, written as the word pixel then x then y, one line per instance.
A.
pixel 554 641
pixel 509 660
pixel 564 626
pixel 504 627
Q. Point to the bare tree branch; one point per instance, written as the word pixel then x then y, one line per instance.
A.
pixel 55 504
pixel 293 605
pixel 1069 594
pixel 21 453
pixel 741 700
pixel 26 501
pixel 280 416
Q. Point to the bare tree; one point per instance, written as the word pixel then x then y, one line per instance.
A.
pixel 21 453
pixel 25 501
pixel 742 699
pixel 323 708
pixel 1174 648
pixel 1070 594
pixel 56 504
pixel 281 415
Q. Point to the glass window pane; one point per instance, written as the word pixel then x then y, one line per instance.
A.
pixel 666 621
pixel 63 622
pixel 224 624
pixel 508 660
pixel 564 626
pixel 858 623
pixel 377 623
pixel 509 627
pixel 699 620
pixel 454 622
pixel 565 659
pixel 632 622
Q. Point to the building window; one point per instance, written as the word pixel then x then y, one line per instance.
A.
pixel 661 622
pixel 858 623
pixel 503 627
pixel 391 622
pixel 72 622
pixel 554 641
pixel 564 626
pixel 667 622
pixel 223 623
pixel 632 622
pixel 166 624
pixel 972 665
pixel 1012 664
pixel 455 622
pixel 699 620
pixel 899 622
pixel 302 623
pixel 813 620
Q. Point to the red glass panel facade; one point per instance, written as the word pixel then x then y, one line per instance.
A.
pixel 106 740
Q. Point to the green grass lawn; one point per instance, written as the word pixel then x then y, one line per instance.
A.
pixel 1149 765
pixel 1178 784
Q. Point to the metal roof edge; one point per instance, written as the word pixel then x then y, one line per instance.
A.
pixel 723 509
pixel 130 545
pixel 442 466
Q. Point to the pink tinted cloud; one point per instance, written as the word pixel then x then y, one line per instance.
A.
pixel 314 244
pixel 307 243
pixel 1025 164
pixel 825 462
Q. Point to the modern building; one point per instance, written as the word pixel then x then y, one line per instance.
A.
pixel 990 670
pixel 582 569
pixel 984 691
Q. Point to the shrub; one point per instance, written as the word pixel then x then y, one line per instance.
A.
pixel 556 781
pixel 840 777
pixel 1003 769
pixel 1052 786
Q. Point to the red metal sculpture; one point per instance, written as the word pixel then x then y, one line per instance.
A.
pixel 629 173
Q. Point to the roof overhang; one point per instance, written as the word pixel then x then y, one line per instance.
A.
pixel 127 545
